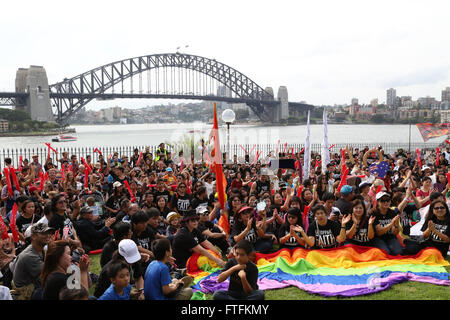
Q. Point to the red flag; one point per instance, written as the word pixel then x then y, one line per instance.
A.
pixel 86 177
pixel 217 160
pixel 20 163
pixel 3 229
pixel 8 181
pixel 181 165
pixel 139 159
pixel 331 147
pixel 299 191
pixel 224 224
pixel 343 181
pixel 13 223
pixel 42 181
pixel 418 158
pixel 305 218
pixel 133 199
pixel 437 156
pixel 14 178
pixel 88 167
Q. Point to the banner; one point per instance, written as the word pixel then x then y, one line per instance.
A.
pixel 325 150
pixel 307 156
pixel 433 130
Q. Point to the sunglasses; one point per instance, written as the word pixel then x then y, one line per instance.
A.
pixel 439 208
pixel 385 200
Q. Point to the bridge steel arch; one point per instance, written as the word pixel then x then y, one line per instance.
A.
pixel 70 95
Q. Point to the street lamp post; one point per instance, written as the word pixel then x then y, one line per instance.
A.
pixel 228 117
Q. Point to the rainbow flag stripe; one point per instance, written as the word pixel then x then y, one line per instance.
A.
pixel 345 271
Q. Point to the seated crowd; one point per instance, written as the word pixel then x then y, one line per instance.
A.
pixel 148 215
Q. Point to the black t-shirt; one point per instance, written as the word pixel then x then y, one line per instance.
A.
pixel 59 222
pixel 207 225
pixel 384 220
pixel 325 236
pixel 235 287
pixel 113 203
pixel 23 223
pixel 55 282
pixel 344 206
pixel 165 194
pixel 183 243
pixel 434 240
pixel 284 230
pixel 196 202
pixel 262 186
pixel 107 252
pixel 181 203
pixel 145 238
pixel 239 226
pixel 361 235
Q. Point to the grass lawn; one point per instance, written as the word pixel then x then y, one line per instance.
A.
pixel 404 291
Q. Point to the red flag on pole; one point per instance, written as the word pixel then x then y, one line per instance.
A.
pixel 14 178
pixel 133 198
pixel 437 156
pixel 139 159
pixel 418 158
pixel 305 218
pixel 217 160
pixel 13 223
pixel 8 181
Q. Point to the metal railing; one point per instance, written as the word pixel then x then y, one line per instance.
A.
pixel 265 149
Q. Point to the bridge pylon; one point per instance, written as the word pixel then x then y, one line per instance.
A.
pixel 34 81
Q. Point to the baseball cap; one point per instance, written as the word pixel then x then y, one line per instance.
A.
pixel 425 168
pixel 282 185
pixel 381 194
pixel 86 209
pixel 202 210
pixel 346 189
pixel 116 184
pixel 37 228
pixel 169 169
pixel 172 215
pixel 128 249
pixel 364 184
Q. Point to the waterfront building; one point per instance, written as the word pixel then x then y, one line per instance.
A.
pixel 391 95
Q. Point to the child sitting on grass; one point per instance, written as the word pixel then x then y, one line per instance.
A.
pixel 158 284
pixel 243 276
pixel 120 288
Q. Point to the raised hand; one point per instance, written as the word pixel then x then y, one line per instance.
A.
pixel 249 223
pixel 371 219
pixel 346 219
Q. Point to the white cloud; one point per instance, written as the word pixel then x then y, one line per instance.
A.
pixel 325 52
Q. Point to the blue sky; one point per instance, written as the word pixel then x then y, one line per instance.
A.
pixel 325 52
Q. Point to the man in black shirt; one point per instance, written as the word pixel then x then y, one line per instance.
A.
pixel 243 276
pixel 344 203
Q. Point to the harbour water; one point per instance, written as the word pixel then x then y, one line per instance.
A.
pixel 153 134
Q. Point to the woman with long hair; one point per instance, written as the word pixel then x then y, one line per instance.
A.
pixel 436 230
pixel 56 273
pixel 387 225
pixel 359 230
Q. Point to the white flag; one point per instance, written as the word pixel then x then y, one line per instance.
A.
pixel 325 151
pixel 307 156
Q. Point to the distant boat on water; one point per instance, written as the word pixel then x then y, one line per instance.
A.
pixel 64 138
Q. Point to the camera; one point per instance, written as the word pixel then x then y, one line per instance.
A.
pixel 76 255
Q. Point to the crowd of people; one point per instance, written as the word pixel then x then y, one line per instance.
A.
pixel 147 215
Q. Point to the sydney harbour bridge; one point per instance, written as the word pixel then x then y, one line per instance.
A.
pixel 167 76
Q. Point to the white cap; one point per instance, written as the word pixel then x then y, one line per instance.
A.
pixel 380 194
pixel 425 168
pixel 116 184
pixel 129 250
pixel 172 214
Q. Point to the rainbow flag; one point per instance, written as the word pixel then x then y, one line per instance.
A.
pixel 346 271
